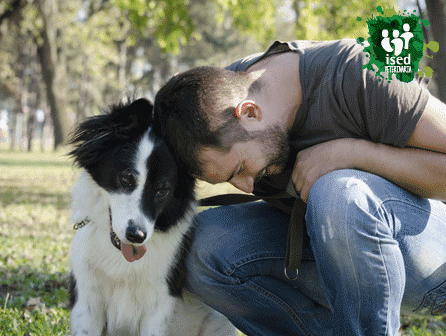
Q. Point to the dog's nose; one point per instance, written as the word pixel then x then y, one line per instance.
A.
pixel 135 234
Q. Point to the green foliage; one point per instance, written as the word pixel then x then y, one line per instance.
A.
pixel 326 20
pixel 253 17
pixel 168 19
pixel 173 26
pixel 315 20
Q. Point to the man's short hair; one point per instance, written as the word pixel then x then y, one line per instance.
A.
pixel 196 109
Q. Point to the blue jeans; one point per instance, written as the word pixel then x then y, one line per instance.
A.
pixel 372 251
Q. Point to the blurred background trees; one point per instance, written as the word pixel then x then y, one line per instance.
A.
pixel 61 61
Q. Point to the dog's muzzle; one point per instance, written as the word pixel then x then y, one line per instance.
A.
pixel 130 252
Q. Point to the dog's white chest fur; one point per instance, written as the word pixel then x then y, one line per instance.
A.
pixel 116 297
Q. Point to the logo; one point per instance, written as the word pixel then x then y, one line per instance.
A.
pixel 396 45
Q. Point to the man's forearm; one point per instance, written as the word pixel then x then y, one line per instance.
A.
pixel 419 171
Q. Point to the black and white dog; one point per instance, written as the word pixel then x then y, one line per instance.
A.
pixel 133 208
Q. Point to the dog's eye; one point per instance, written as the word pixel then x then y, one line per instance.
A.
pixel 162 192
pixel 127 179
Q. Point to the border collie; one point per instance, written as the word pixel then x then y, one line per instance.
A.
pixel 133 208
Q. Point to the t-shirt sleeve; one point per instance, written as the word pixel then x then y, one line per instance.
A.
pixel 386 111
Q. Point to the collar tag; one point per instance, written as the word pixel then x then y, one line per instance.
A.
pixel 81 224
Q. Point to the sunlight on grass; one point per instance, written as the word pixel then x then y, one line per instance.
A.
pixel 35 242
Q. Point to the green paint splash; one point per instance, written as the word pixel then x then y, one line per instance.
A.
pixel 404 64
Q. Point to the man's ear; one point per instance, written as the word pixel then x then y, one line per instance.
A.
pixel 248 110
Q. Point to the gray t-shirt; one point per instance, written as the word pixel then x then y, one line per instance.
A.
pixel 342 100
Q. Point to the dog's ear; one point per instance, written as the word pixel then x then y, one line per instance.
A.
pixel 143 108
pixel 135 116
pixel 97 134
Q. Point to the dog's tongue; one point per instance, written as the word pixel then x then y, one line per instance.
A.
pixel 132 253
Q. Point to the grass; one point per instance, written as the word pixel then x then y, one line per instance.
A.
pixel 35 240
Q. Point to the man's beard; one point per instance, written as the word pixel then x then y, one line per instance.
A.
pixel 276 146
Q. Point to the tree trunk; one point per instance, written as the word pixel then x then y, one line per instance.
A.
pixel 12 129
pixel 30 126
pixel 47 53
pixel 437 19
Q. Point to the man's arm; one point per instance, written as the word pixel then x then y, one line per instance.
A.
pixel 420 169
pixel 430 132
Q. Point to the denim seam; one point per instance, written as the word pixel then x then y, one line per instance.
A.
pixel 280 302
pixel 386 298
pixel 386 293
pixel 381 206
pixel 233 267
pixel 264 256
pixel 350 200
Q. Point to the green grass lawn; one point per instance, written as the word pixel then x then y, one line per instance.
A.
pixel 35 240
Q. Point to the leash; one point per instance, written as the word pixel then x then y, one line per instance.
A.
pixel 293 256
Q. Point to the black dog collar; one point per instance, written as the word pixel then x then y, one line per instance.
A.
pixel 113 237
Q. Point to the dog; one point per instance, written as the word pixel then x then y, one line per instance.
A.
pixel 133 208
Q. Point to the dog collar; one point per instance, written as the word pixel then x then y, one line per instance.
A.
pixel 113 237
pixel 81 224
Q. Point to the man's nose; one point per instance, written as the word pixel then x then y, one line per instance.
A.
pixel 245 183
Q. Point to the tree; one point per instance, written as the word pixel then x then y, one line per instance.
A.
pixel 52 69
pixel 37 20
pixel 100 64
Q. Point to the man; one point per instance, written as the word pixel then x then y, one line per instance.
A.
pixel 366 155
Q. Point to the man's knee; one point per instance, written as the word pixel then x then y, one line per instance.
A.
pixel 341 185
pixel 339 197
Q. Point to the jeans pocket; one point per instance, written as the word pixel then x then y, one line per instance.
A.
pixel 434 302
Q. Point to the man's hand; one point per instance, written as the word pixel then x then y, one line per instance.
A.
pixel 314 162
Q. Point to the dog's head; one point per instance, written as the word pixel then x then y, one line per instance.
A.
pixel 146 190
